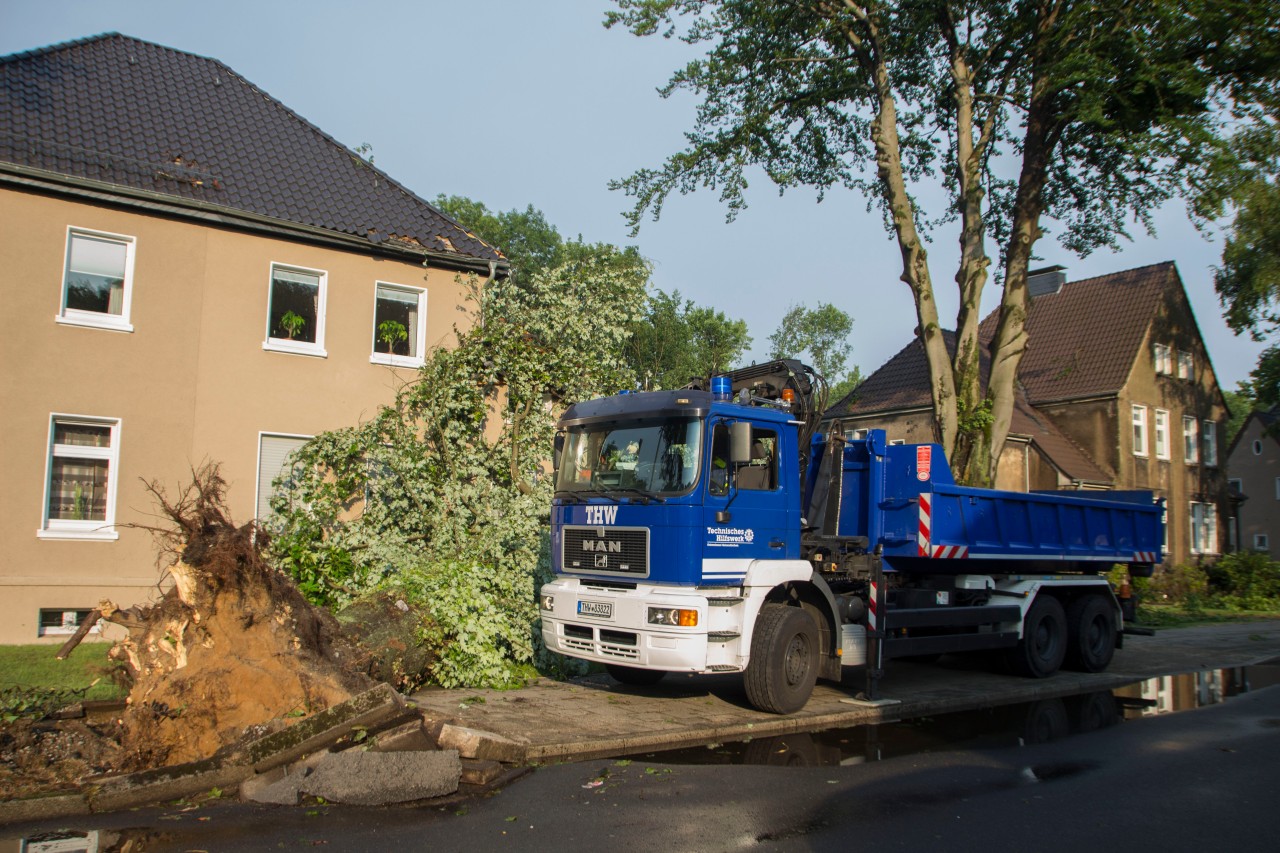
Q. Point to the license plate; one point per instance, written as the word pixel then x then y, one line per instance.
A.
pixel 598 609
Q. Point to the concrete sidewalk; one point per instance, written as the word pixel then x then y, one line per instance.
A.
pixel 596 717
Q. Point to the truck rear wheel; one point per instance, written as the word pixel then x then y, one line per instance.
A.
pixel 784 659
pixel 1044 639
pixel 633 677
pixel 1091 630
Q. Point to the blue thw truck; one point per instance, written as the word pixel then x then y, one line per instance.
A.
pixel 714 529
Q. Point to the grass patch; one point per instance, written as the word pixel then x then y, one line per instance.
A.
pixel 37 668
pixel 1182 616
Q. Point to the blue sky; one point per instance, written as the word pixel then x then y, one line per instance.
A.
pixel 516 102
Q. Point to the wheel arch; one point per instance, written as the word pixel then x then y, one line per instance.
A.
pixel 815 597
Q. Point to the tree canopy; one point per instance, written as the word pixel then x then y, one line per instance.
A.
pixel 1074 114
pixel 820 337
pixel 675 341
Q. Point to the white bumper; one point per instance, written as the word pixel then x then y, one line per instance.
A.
pixel 624 636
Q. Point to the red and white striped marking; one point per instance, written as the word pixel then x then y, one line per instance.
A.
pixel 926 519
pixel 873 617
pixel 1145 557
pixel 924 547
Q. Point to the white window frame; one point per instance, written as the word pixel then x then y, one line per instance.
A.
pixel 1190 440
pixel 1186 364
pixel 290 346
pixel 1162 357
pixel 1261 542
pixel 1204 528
pixel 93 530
pixel 421 341
pixel 97 319
pixel 68 626
pixel 1162 434
pixel 1209 436
pixel 1139 430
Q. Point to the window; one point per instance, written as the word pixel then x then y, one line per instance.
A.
pixel 1163 358
pixel 55 621
pixel 1164 528
pixel 1186 365
pixel 856 434
pixel 1210 443
pixel 80 489
pixel 1139 430
pixel 295 311
pixel 97 280
pixel 896 441
pixel 1190 440
pixel 1204 528
pixel 399 325
pixel 1162 434
pixel 1257 447
pixel 1278 488
pixel 1261 542
pixel 273 453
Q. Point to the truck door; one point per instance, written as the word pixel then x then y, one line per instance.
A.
pixel 753 497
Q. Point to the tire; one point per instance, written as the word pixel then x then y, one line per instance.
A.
pixel 633 677
pixel 1094 711
pixel 1091 634
pixel 1046 722
pixel 794 750
pixel 784 660
pixel 1043 646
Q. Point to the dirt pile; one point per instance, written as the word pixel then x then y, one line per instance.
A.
pixel 231 645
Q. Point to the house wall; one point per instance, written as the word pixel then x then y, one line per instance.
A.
pixel 192 381
pixel 1255 462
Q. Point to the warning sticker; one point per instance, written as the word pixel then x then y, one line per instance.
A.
pixel 924 461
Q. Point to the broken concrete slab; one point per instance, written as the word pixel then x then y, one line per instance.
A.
pixel 474 743
pixel 279 787
pixel 406 737
pixel 480 771
pixel 146 787
pixel 43 808
pixel 363 778
pixel 380 706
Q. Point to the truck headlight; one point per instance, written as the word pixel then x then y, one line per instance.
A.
pixel 673 616
pixel 547 602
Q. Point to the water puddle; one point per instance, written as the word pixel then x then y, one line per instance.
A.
pixel 1014 725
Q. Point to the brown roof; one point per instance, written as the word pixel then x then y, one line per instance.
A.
pixel 1084 339
pixel 141 116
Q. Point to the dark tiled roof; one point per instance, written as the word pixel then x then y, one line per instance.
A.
pixel 136 114
pixel 901 385
pixel 1084 340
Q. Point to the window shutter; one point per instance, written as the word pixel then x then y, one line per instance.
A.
pixel 272 452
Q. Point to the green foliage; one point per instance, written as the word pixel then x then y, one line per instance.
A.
pixel 1182 584
pixel 86 671
pixel 819 337
pixel 443 494
pixel 292 323
pixel 392 332
pixel 1248 580
pixel 675 341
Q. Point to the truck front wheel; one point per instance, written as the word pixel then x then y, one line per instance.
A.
pixel 784 659
pixel 1091 628
pixel 1044 639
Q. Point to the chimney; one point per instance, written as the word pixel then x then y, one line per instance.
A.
pixel 1045 281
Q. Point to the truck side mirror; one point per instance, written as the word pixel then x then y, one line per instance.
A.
pixel 558 448
pixel 740 442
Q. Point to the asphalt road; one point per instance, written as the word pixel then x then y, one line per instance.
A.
pixel 1198 779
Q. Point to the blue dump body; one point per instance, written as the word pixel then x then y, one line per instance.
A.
pixel 905 499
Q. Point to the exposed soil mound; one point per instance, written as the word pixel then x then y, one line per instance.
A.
pixel 232 644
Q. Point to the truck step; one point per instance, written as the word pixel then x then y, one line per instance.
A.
pixel 722 667
pixel 724 602
pixel 722 636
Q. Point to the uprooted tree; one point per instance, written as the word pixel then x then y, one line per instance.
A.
pixel 231 644
pixel 1087 114
pixel 439 502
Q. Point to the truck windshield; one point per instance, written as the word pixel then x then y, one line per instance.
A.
pixel 652 457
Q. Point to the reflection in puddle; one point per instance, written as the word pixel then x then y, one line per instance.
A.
pixel 84 841
pixel 1022 724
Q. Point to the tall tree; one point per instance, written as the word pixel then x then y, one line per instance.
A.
pixel 818 335
pixel 1090 114
pixel 676 340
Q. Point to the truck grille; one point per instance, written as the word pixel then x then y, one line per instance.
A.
pixel 615 550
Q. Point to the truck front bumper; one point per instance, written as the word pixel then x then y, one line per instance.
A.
pixel 610 625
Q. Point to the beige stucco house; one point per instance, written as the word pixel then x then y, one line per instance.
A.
pixel 1116 391
pixel 190 272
